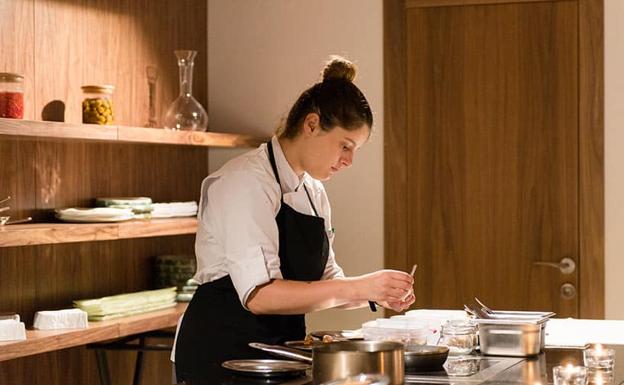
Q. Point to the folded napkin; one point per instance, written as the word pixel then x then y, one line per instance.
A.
pixel 61 319
pixel 174 209
pixel 12 330
pixel 127 304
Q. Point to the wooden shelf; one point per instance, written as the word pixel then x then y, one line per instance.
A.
pixel 47 233
pixel 122 134
pixel 41 341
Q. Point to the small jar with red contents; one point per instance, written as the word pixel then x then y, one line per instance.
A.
pixel 11 95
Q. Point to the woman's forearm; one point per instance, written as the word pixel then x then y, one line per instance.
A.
pixel 298 297
pixel 390 288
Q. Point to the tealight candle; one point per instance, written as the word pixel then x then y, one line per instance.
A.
pixel 598 377
pixel 569 375
pixel 597 357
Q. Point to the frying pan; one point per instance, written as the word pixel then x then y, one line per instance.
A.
pixel 426 358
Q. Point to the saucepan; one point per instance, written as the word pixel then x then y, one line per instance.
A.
pixel 342 359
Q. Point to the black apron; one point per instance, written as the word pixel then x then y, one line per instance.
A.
pixel 216 327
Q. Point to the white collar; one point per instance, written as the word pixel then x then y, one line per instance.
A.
pixel 289 180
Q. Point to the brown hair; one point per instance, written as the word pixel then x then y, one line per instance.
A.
pixel 336 100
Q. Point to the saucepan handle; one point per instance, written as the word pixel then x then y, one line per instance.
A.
pixel 283 351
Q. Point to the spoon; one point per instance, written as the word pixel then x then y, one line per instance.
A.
pixel 412 274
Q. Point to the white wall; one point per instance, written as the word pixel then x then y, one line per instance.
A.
pixel 261 55
pixel 614 157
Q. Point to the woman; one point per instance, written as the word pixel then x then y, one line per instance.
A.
pixel 263 246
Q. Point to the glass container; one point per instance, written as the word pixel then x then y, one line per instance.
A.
pixel 459 336
pixel 569 375
pixel 97 105
pixel 597 357
pixel 11 95
pixel 186 113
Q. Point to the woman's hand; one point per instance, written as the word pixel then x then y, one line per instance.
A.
pixel 391 289
pixel 401 305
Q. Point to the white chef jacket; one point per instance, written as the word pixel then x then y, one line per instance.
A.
pixel 237 232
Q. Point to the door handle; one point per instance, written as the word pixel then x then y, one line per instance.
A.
pixel 566 265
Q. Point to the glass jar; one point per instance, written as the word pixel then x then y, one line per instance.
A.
pixel 459 336
pixel 11 95
pixel 97 105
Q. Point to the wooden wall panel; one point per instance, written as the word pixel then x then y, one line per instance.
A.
pixel 60 45
pixel 17 54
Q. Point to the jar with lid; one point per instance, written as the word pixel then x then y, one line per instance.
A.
pixel 11 95
pixel 97 105
pixel 459 336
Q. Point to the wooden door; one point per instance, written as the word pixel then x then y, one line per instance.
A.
pixel 488 179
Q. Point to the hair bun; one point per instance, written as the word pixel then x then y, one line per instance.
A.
pixel 339 68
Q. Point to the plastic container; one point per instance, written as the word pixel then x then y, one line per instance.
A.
pixel 97 105
pixel 435 319
pixel 11 95
pixel 459 335
pixel 407 331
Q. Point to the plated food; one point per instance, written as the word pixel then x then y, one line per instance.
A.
pixel 319 338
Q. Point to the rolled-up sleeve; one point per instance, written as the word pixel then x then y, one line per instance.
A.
pixel 245 205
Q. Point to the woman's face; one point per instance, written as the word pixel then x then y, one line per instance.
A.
pixel 328 152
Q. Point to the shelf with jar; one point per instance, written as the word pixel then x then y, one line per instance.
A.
pixel 124 134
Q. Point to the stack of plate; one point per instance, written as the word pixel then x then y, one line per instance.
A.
pixel 98 214
pixel 186 294
pixel 100 309
pixel 176 270
pixel 173 270
pixel 174 209
pixel 140 206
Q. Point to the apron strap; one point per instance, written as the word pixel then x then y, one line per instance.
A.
pixel 274 167
pixel 310 199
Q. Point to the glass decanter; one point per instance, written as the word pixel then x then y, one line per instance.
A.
pixel 185 113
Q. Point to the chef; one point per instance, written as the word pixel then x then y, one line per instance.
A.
pixel 264 242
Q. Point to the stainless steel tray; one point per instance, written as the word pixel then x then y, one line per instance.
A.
pixel 513 333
